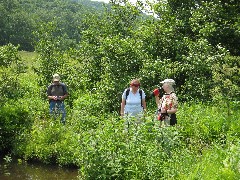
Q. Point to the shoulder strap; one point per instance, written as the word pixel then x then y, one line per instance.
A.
pixel 51 86
pixel 127 93
pixel 49 89
pixel 140 92
pixel 63 87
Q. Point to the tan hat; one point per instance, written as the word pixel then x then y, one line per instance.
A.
pixel 56 77
pixel 171 81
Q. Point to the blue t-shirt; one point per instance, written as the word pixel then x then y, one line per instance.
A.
pixel 133 102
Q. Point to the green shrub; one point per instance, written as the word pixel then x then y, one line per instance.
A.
pixel 14 119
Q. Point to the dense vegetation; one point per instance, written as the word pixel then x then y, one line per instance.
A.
pixel 97 50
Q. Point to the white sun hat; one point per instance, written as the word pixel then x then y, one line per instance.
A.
pixel 171 81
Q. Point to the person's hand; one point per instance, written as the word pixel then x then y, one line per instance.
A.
pixel 155 92
pixel 163 110
pixel 144 113
pixel 122 114
pixel 54 98
pixel 61 98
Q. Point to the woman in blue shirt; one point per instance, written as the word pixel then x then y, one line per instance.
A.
pixel 133 101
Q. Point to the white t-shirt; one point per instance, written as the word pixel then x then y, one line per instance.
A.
pixel 133 102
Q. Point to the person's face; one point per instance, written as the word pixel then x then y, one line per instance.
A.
pixel 56 82
pixel 165 86
pixel 135 85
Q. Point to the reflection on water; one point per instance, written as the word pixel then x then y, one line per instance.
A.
pixel 15 170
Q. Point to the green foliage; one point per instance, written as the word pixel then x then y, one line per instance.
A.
pixel 18 100
pixel 157 49
pixel 11 66
pixel 51 54
pixel 16 25
pixel 212 20
pixel 14 119
pixel 22 17
pixel 204 124
pixel 97 143
pixel 88 106
pixel 102 149
pixel 96 55
pixel 109 53
pixel 196 74
pixel 226 79
pixel 182 37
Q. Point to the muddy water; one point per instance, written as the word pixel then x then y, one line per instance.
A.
pixel 15 170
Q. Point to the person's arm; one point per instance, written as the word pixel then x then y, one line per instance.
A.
pixel 144 105
pixel 157 100
pixel 65 92
pixel 63 97
pixel 122 107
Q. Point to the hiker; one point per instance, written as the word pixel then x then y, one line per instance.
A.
pixel 57 92
pixel 167 104
pixel 133 101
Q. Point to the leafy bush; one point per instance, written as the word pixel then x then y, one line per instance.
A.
pixel 11 66
pixel 103 149
pixel 115 48
pixel 14 119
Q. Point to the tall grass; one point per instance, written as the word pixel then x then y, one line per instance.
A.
pixel 204 144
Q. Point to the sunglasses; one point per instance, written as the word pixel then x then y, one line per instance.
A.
pixel 136 85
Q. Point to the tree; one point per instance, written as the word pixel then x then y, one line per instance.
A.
pixel 49 45
pixel 226 80
pixel 11 66
pixel 17 25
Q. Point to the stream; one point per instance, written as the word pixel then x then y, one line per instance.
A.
pixel 17 169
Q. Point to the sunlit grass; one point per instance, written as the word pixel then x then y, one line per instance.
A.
pixel 30 58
